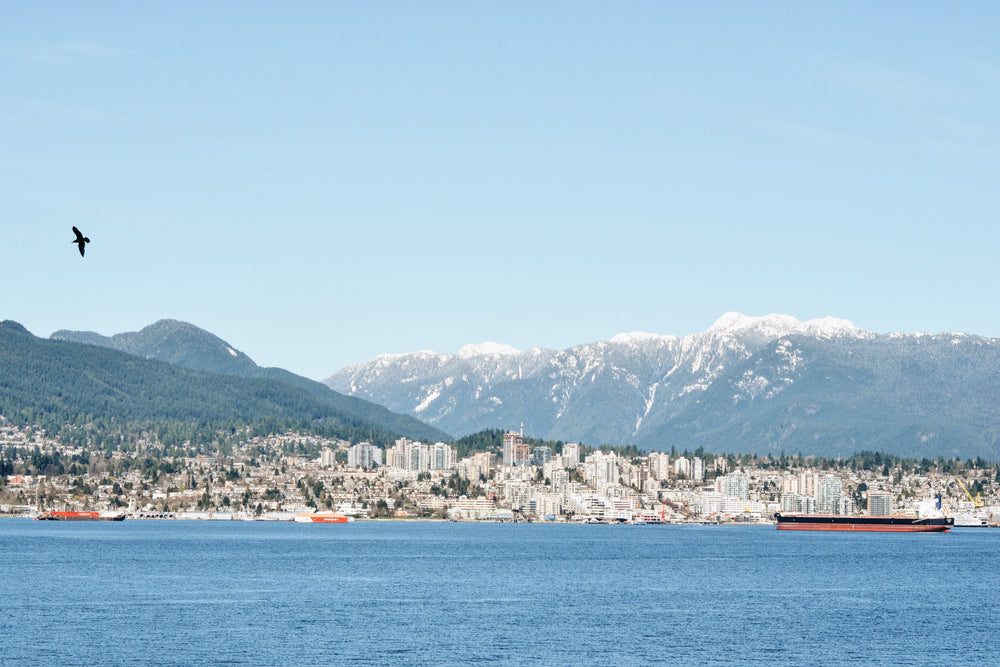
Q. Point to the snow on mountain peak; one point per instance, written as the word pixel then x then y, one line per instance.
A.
pixel 487 348
pixel 831 326
pixel 636 337
pixel 785 324
pixel 740 322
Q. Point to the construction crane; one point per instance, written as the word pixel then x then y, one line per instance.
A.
pixel 978 500
pixel 677 507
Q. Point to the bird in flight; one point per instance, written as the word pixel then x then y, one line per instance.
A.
pixel 80 241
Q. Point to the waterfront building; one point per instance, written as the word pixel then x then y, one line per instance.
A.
pixel 548 504
pixel 713 502
pixel 472 509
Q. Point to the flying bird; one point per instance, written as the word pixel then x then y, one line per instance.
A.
pixel 80 241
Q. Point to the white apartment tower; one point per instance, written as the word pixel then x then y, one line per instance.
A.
pixel 828 491
pixel 682 467
pixel 571 455
pixel 737 484
pixel 659 466
pixel 879 503
pixel 697 469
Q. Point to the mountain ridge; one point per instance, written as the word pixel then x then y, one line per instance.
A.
pixel 653 390
pixel 187 346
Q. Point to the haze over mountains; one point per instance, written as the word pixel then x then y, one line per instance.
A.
pixel 747 384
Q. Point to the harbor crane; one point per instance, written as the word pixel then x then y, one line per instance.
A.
pixel 978 500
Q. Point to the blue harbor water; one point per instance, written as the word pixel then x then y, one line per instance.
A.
pixel 245 593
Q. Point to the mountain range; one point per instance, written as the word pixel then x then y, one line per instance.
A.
pixel 185 345
pixel 177 372
pixel 747 384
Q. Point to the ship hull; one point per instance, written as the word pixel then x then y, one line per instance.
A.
pixel 869 524
pixel 79 516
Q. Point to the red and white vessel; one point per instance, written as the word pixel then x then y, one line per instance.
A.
pixel 322 517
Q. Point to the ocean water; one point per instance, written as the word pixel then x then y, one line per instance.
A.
pixel 245 593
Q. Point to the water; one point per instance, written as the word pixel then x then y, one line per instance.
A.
pixel 243 593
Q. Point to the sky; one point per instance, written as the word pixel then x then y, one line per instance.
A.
pixel 318 183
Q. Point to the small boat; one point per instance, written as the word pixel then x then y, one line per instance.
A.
pixel 322 517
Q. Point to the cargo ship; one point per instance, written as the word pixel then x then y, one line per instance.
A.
pixel 886 524
pixel 80 516
pixel 322 517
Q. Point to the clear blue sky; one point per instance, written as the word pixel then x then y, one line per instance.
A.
pixel 321 182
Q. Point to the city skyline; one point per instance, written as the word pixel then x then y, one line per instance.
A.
pixel 324 185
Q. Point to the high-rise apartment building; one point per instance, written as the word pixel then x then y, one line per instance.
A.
pixel 515 452
pixel 737 484
pixel 682 467
pixel 807 483
pixel 659 466
pixel 442 457
pixel 541 455
pixel 828 491
pixel 879 503
pixel 364 455
pixel 697 469
pixel 601 468
pixel 571 455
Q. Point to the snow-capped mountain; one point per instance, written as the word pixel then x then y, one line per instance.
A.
pixel 620 390
pixel 747 384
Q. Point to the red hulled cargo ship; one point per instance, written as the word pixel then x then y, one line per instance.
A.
pixel 882 524
pixel 79 516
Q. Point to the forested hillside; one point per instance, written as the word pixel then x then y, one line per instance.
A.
pixel 69 389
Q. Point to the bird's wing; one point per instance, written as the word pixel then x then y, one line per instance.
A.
pixel 77 232
pixel 81 250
